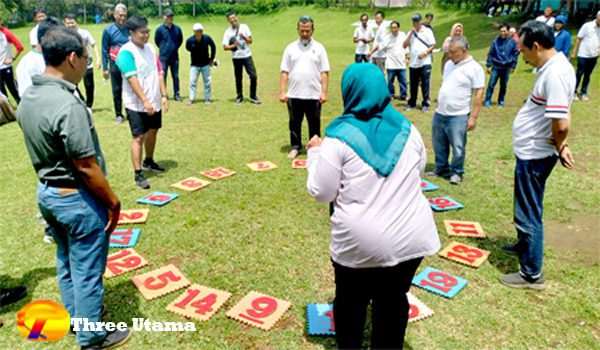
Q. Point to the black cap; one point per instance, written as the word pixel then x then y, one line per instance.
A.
pixel 168 13
pixel 416 17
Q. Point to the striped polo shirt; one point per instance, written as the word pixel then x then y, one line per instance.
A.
pixel 551 98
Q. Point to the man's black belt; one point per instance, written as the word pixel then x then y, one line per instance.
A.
pixel 60 183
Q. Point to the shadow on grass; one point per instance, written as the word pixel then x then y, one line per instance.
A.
pixel 501 260
pixel 30 279
pixel 122 302
pixel 168 164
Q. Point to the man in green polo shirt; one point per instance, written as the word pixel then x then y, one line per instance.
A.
pixel 74 196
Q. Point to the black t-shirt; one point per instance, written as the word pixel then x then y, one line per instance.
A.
pixel 200 50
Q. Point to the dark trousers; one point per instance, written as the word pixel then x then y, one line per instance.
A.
pixel 585 67
pixel 418 76
pixel 385 289
pixel 530 183
pixel 501 74
pixel 238 67
pixel 297 109
pixel 7 80
pixel 173 64
pixel 116 82
pixel 88 82
pixel 361 58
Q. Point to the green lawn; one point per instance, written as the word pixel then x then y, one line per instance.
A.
pixel 261 231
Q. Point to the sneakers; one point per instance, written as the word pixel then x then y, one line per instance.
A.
pixel 178 98
pixel 140 181
pixel 293 154
pixel 585 98
pixel 408 108
pixel 12 295
pixel 515 280
pixel 150 165
pixel 255 100
pixel 119 119
pixel 500 104
pixel 239 100
pixel 487 104
pixel 207 102
pixel 455 179
pixel 113 339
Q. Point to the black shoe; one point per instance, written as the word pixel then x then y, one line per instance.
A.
pixel 113 340
pixel 255 100
pixel 178 98
pixel 12 295
pixel 239 100
pixel 512 249
pixel 150 165
pixel 141 182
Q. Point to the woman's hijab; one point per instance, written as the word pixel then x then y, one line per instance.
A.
pixel 369 124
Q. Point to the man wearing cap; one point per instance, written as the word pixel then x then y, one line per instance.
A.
pixel 422 42
pixel 501 62
pixel 587 50
pixel 202 50
pixel 562 37
pixel 168 38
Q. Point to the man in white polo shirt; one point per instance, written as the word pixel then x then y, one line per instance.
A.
pixel 363 36
pixel 539 139
pixel 422 42
pixel 39 15
pixel 587 50
pixel 305 74
pixel 381 36
pixel 395 62
pixel 464 80
pixel 547 17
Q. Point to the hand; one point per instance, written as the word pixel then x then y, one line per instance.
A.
pixel 113 218
pixel 512 70
pixel 323 98
pixel 283 97
pixel 566 158
pixel 8 61
pixel 105 74
pixel 573 55
pixel 422 55
pixel 165 104
pixel 149 108
pixel 471 124
pixel 488 70
pixel 98 65
pixel 315 141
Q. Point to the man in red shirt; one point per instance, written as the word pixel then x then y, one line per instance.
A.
pixel 7 78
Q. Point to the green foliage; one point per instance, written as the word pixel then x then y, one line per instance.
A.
pixel 476 5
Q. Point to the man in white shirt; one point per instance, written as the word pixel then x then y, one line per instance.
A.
pixel 547 17
pixel 381 35
pixel 237 39
pixel 464 80
pixel 539 139
pixel 70 21
pixel 395 62
pixel 305 74
pixel 38 16
pixel 587 50
pixel 422 42
pixel 363 36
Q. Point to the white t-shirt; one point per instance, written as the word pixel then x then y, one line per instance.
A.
pixel 243 50
pixel 551 98
pixel 33 36
pixel 144 64
pixel 590 40
pixel 89 43
pixel 362 33
pixel 457 88
pixel 305 65
pixel 417 47
pixel 395 52
pixel 31 64
pixel 5 51
pixel 377 221
pixel 549 21
pixel 381 38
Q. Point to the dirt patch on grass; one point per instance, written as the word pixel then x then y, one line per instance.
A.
pixel 580 236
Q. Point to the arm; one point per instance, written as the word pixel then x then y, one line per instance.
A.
pixel 489 62
pixel 94 180
pixel 324 172
pixel 105 48
pixel 560 131
pixel 407 40
pixel 14 41
pixel 477 103
pixel 576 47
pixel 283 81
pixel 188 45
pixel 324 86
pixel 158 37
pixel 163 87
pixel 213 50
pixel 179 37
pixel 97 54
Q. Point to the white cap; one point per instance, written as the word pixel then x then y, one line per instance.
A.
pixel 197 27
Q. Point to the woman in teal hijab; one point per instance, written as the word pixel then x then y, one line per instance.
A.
pixel 369 166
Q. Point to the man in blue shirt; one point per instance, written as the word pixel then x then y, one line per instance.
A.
pixel 168 38
pixel 562 37
pixel 501 61
pixel 113 37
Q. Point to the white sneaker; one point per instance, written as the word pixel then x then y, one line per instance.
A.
pixel 293 154
pixel 585 98
pixel 455 179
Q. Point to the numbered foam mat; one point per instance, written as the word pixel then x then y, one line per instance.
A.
pixel 123 261
pixel 417 309
pixel 444 203
pixel 133 216
pixel 263 165
pixel 124 237
pixel 218 173
pixel 427 186
pixel 469 229
pixel 439 282
pixel 299 163
pixel 159 282
pixel 465 254
pixel 259 310
pixel 199 302
pixel 319 318
pixel 158 198
pixel 191 184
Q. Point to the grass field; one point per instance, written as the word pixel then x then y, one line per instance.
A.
pixel 261 231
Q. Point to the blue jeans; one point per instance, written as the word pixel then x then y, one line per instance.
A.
pixel 174 65
pixel 501 74
pixel 77 221
pixel 449 132
pixel 530 182
pixel 400 75
pixel 206 78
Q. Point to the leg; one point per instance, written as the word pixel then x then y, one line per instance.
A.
pixel 296 113
pixel 390 304
pixel 251 70
pixel 313 117
pixel 391 73
pixel 3 83
pixel 8 78
pixel 165 66
pixel 587 74
pixel 425 84
pixel 457 135
pixel 193 82
pixel 150 143
pixel 238 66
pixel 503 74
pixel 491 85
pixel 207 79
pixel 88 82
pixel 175 75
pixel 136 152
pixel 414 86
pixel 116 80
pixel 440 143
pixel 350 306
pixel 402 76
